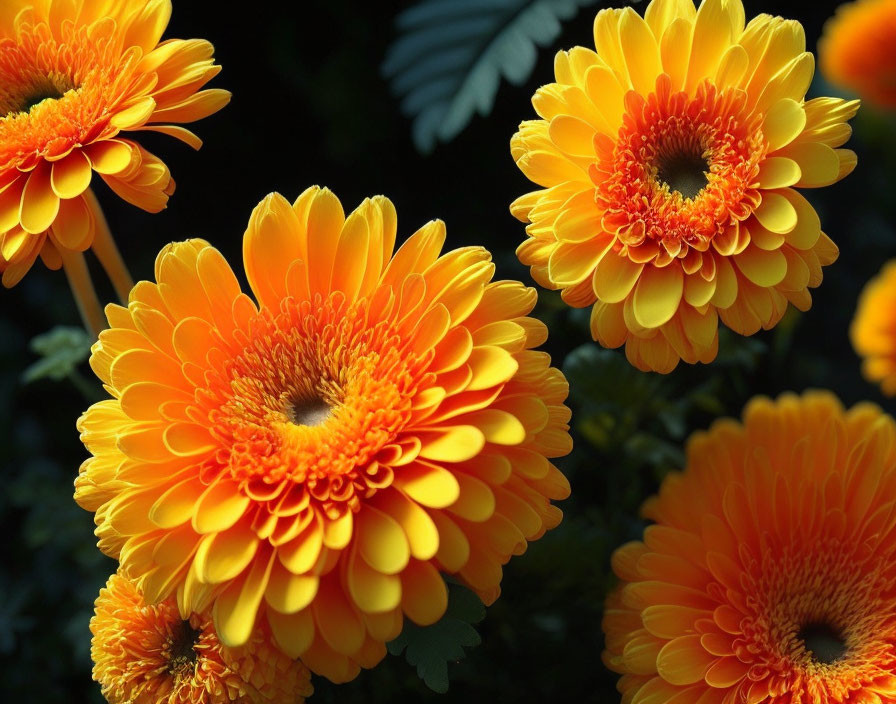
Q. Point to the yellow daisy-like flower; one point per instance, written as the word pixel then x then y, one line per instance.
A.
pixel 668 160
pixel 148 654
pixel 320 457
pixel 75 75
pixel 858 50
pixel 769 575
pixel 873 330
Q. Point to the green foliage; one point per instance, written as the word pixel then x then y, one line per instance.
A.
pixel 61 349
pixel 451 55
pixel 431 648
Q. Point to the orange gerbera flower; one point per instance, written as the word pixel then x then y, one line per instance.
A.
pixel 146 654
pixel 74 75
pixel 858 50
pixel 667 161
pixel 770 573
pixel 873 329
pixel 320 458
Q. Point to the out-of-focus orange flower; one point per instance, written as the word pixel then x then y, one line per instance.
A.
pixel 873 330
pixel 668 160
pixel 768 575
pixel 857 50
pixel 74 76
pixel 149 654
pixel 320 457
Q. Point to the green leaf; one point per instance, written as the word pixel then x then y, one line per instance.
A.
pixel 431 648
pixel 61 349
pixel 450 57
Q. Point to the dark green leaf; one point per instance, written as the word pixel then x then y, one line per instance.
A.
pixel 431 648
pixel 61 350
pixel 448 61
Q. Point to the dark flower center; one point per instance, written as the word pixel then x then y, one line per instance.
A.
pixel 182 653
pixel 39 97
pixel 824 642
pixel 308 411
pixel 683 170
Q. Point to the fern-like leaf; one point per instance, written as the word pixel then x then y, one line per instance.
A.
pixel 451 54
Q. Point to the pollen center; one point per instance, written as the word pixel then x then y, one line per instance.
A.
pixel 39 97
pixel 825 642
pixel 311 412
pixel 683 169
pixel 181 649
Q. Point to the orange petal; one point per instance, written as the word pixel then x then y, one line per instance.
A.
pixel 272 242
pixel 381 541
pixel 424 594
pixel 615 277
pixel 236 608
pixel 71 176
pixel 39 205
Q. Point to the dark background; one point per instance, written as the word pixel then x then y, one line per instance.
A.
pixel 310 107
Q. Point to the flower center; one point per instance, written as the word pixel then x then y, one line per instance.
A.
pixel 39 97
pixel 825 642
pixel 19 99
pixel 181 649
pixel 683 168
pixel 308 411
pixel 681 171
pixel 311 398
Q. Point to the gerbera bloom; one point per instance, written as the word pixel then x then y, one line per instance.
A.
pixel 857 50
pixel 668 160
pixel 770 572
pixel 318 458
pixel 873 330
pixel 74 75
pixel 148 654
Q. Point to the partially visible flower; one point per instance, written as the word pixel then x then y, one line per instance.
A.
pixel 74 76
pixel 320 457
pixel 668 160
pixel 148 654
pixel 857 50
pixel 873 330
pixel 769 575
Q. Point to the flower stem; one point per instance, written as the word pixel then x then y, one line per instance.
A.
pixel 107 252
pixel 82 287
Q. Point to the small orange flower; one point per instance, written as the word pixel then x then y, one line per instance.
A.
pixel 147 654
pixel 873 330
pixel 769 575
pixel 857 50
pixel 74 75
pixel 668 159
pixel 321 457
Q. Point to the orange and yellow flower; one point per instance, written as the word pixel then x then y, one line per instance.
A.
pixel 769 575
pixel 873 329
pixel 75 75
pixel 321 456
pixel 857 50
pixel 149 654
pixel 668 161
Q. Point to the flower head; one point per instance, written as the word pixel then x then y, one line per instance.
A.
pixel 770 572
pixel 873 331
pixel 74 75
pixel 857 51
pixel 668 160
pixel 321 456
pixel 149 654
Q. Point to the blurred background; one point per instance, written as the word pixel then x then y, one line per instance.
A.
pixel 311 106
